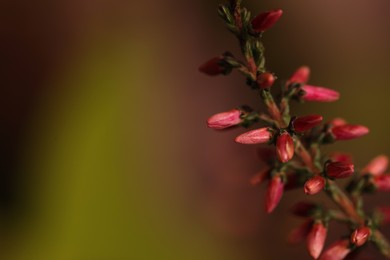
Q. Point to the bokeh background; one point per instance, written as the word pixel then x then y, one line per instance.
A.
pixel 104 150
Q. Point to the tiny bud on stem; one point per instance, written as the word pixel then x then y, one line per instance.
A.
pixel 337 251
pixel 376 166
pixel 347 132
pixel 314 185
pixel 301 75
pixel 265 80
pixel 266 20
pixel 225 119
pixel 316 239
pixel 360 236
pixel 339 170
pixel 284 147
pixel 319 94
pixel 304 123
pixel 274 193
pixel 213 67
pixel 258 136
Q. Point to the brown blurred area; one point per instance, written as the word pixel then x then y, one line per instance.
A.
pixel 198 178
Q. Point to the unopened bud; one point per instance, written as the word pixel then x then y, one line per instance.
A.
pixel 337 251
pixel 301 75
pixel 360 236
pixel 303 209
pixel 337 122
pixel 258 136
pixel 341 157
pixel 376 166
pixel 284 147
pixel 266 80
pixel 274 193
pixel 319 94
pixel 225 119
pixel 382 182
pixel 347 132
pixel 339 170
pixel 304 123
pixel 316 239
pixel 266 20
pixel 213 67
pixel 314 185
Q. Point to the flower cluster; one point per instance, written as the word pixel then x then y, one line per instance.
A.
pixel 290 146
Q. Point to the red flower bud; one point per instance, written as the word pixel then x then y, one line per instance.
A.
pixel 360 236
pixel 264 21
pixel 304 123
pixel 339 170
pixel 319 94
pixel 347 132
pixel 301 75
pixel 260 177
pixel 213 67
pixel 265 80
pixel 258 136
pixel 341 157
pixel 314 185
pixel 274 193
pixel 225 119
pixel 337 122
pixel 284 147
pixel 298 234
pixel 337 251
pixel 384 214
pixel 303 209
pixel 376 166
pixel 382 182
pixel 316 239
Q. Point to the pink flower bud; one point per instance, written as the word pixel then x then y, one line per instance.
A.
pixel 274 193
pixel 298 234
pixel 265 80
pixel 339 170
pixel 360 236
pixel 284 147
pixel 319 94
pixel 225 119
pixel 337 122
pixel 303 209
pixel 384 214
pixel 264 21
pixel 376 166
pixel 337 251
pixel 260 177
pixel 258 136
pixel 316 239
pixel 341 157
pixel 301 75
pixel 314 185
pixel 382 182
pixel 304 123
pixel 212 67
pixel 347 132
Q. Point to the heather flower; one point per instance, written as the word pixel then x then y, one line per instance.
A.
pixel 376 166
pixel 339 170
pixel 266 20
pixel 301 75
pixel 274 193
pixel 304 123
pixel 314 185
pixel 316 239
pixel 360 236
pixel 382 182
pixel 337 251
pixel 300 233
pixel 213 67
pixel 347 132
pixel 319 94
pixel 284 147
pixel 337 122
pixel 265 80
pixel 258 136
pixel 225 119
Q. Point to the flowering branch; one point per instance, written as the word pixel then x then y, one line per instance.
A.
pixel 295 159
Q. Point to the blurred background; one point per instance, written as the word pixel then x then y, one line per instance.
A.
pixel 104 149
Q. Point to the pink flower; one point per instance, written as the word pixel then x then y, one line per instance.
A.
pixel 382 182
pixel 304 123
pixel 225 119
pixel 274 193
pixel 266 20
pixel 337 122
pixel 301 75
pixel 284 147
pixel 314 185
pixel 319 94
pixel 376 166
pixel 339 170
pixel 341 157
pixel 213 67
pixel 347 132
pixel 298 234
pixel 258 136
pixel 265 80
pixel 316 239
pixel 360 236
pixel 337 251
